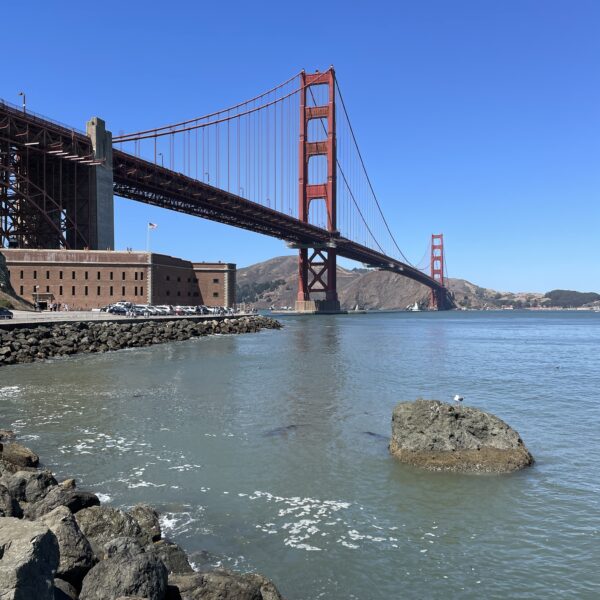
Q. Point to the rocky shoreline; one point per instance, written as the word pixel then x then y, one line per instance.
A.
pixel 59 543
pixel 28 344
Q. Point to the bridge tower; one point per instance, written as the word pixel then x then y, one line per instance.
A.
pixel 317 288
pixel 436 302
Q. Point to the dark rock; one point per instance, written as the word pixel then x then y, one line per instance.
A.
pixel 443 437
pixel 101 524
pixel 74 500
pixel 30 486
pixel 7 468
pixel 122 546
pixel 63 590
pixel 147 518
pixel 140 575
pixel 19 455
pixel 221 585
pixel 29 553
pixel 7 435
pixel 76 556
pixel 173 557
pixel 9 507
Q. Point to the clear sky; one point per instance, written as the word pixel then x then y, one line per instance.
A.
pixel 478 119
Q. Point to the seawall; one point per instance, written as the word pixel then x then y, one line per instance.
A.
pixel 23 343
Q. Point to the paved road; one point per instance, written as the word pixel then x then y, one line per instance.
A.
pixel 22 317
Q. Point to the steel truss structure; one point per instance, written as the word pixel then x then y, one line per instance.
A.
pixel 45 172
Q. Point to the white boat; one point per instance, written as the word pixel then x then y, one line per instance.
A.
pixel 414 308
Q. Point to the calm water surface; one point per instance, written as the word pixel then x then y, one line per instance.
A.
pixel 269 451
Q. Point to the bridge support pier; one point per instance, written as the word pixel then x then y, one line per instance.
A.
pixel 439 299
pixel 317 281
pixel 102 234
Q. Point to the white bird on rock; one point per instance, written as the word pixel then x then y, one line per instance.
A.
pixel 458 398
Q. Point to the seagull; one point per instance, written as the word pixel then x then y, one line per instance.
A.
pixel 458 398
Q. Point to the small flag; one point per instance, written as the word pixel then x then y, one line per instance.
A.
pixel 152 225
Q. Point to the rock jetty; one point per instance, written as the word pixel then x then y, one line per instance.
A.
pixel 58 543
pixel 28 344
pixel 442 437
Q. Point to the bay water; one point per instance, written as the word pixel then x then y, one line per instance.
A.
pixel 268 451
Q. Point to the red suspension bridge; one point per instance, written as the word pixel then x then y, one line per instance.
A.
pixel 285 163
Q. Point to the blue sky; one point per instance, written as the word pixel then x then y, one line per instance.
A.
pixel 477 119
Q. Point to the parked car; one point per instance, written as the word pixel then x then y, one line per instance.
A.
pixel 165 310
pixel 5 313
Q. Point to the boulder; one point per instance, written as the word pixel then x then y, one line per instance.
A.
pixel 221 585
pixel 121 546
pixel 8 468
pixel 30 556
pixel 101 524
pixel 442 437
pixel 7 435
pixel 76 556
pixel 29 486
pixel 147 518
pixel 74 500
pixel 173 557
pixel 63 590
pixel 19 455
pixel 9 507
pixel 140 575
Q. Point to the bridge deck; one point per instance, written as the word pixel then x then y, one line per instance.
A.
pixel 141 180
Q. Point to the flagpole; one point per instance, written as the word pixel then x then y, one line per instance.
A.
pixel 148 237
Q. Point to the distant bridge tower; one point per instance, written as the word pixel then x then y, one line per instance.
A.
pixel 317 265
pixel 436 302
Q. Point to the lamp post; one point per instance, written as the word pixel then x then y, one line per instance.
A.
pixel 162 161
pixel 24 100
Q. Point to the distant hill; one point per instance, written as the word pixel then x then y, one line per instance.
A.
pixel 571 299
pixel 274 283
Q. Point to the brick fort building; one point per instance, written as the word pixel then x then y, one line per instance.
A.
pixel 86 279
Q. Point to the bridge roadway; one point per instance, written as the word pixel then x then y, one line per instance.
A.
pixel 141 180
pixel 144 181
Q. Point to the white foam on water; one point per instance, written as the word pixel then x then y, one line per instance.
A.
pixel 177 523
pixel 9 391
pixel 145 484
pixel 104 498
pixel 312 524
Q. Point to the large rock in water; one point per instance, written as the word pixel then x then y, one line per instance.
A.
pixel 442 437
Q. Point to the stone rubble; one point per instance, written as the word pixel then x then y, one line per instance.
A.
pixel 41 342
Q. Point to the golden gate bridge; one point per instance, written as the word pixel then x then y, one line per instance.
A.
pixel 285 163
